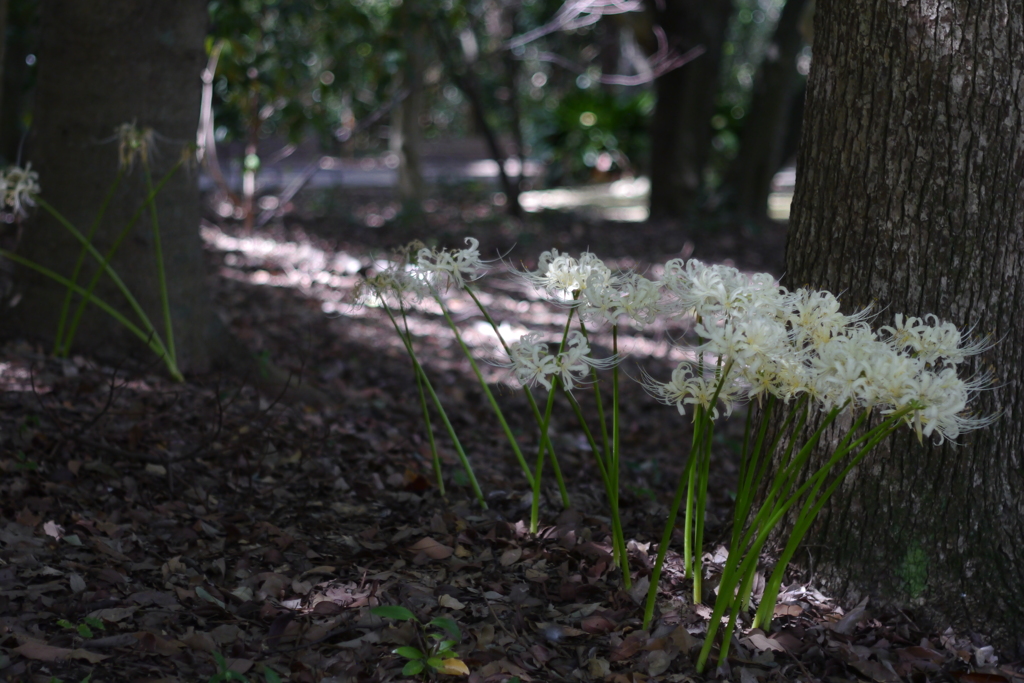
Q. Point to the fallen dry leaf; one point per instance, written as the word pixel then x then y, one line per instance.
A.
pixel 597 625
pixel 788 610
pixel 879 672
pixel 34 649
pixel 431 548
pixel 449 602
pixel 761 642
pixel 510 557
pixel 453 667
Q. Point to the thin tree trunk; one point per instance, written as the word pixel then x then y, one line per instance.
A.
pixel 464 77
pixel 681 124
pixel 764 131
pixel 910 196
pixel 405 120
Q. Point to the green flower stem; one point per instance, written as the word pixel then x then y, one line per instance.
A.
pixel 440 409
pixel 594 448
pixel 786 475
pixel 110 271
pixel 766 521
pixel 748 466
pixel 597 397
pixel 704 466
pixel 618 541
pixel 666 536
pixel 165 303
pixel 66 306
pixel 487 391
pixel 805 520
pixel 435 457
pixel 691 483
pixel 105 261
pixel 539 472
pixel 627 578
pixel 688 514
pixel 147 339
pixel 746 456
pixel 562 490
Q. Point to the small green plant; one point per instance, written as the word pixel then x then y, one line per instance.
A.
pixel 54 679
pixel 435 653
pixel 23 464
pixel 83 628
pixel 225 674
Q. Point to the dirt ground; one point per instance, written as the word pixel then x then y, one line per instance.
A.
pixel 209 531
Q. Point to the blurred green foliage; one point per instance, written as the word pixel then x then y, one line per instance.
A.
pixel 750 32
pixel 595 133
pixel 293 68
pixel 314 69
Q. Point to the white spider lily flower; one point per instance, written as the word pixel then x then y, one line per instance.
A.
pixel 576 357
pixel 841 372
pixel 395 279
pixel 531 362
pixel 640 299
pixel 893 379
pixel 687 387
pixel 815 319
pixel 566 277
pixel 455 266
pixel 720 291
pixel 20 186
pixel 788 378
pixel 748 340
pixel 600 301
pixel 941 405
pixel 931 340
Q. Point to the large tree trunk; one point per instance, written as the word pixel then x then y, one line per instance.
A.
pixel 681 124
pixel 910 195
pixel 103 63
pixel 762 139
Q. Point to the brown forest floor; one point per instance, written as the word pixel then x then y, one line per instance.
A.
pixel 204 518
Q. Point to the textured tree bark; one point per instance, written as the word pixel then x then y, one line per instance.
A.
pixel 762 139
pixel 681 124
pixel 910 196
pixel 103 63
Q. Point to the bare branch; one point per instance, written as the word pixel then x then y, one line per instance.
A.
pixel 661 62
pixel 577 14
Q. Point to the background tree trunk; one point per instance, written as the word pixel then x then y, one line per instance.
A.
pixel 681 123
pixel 763 137
pixel 405 131
pixel 19 41
pixel 103 63
pixel 911 195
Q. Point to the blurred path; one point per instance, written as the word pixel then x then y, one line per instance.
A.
pixel 459 162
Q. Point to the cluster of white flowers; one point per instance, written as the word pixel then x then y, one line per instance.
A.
pixel 423 276
pixel 769 340
pixel 757 338
pixel 19 186
pixel 532 363
pixel 451 266
pixel 598 295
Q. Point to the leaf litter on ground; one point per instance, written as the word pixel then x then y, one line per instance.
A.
pixel 209 524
